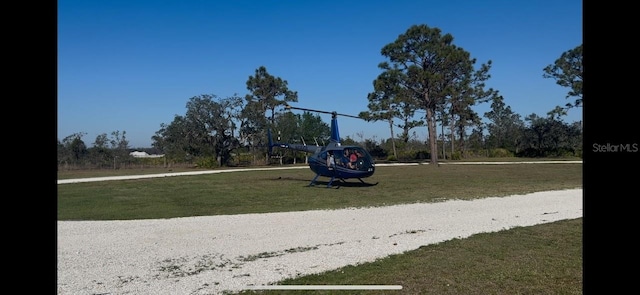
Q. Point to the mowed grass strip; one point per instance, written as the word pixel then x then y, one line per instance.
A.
pixel 541 259
pixel 72 174
pixel 287 190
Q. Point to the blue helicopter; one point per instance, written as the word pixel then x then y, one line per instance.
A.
pixel 333 160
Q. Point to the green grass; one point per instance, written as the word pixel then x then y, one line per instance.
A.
pixel 512 159
pixel 72 174
pixel 287 190
pixel 541 259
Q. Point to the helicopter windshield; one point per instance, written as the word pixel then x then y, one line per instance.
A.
pixel 356 158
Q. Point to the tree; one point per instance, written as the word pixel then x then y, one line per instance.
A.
pixel 548 136
pixel 210 121
pixel 269 91
pixel 465 94
pixel 390 100
pixel 476 138
pixel 307 128
pixel 72 149
pixel 232 109
pixel 100 153
pixel 466 117
pixel 206 130
pixel 119 147
pixel 312 127
pixel 253 125
pixel 568 72
pixel 504 127
pixel 286 129
pixel 224 141
pixel 173 139
pixel 429 66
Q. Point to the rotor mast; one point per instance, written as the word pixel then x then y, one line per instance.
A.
pixel 335 132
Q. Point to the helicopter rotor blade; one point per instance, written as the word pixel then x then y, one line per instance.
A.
pixel 289 107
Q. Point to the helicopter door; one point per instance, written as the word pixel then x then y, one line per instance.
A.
pixel 364 160
pixel 323 156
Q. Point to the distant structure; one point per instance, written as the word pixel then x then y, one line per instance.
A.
pixel 137 154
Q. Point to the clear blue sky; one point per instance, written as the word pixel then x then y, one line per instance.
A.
pixel 132 65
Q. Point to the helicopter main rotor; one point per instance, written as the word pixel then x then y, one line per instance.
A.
pixel 333 114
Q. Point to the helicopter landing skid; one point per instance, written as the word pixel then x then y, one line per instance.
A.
pixel 372 184
pixel 313 181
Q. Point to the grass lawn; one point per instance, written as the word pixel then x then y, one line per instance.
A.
pixel 287 190
pixel 541 259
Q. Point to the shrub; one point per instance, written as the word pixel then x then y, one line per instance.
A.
pixel 500 153
pixel 456 155
pixel 206 162
pixel 422 154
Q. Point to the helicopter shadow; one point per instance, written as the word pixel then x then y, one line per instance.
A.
pixel 337 183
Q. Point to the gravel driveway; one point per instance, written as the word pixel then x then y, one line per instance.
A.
pixel 208 255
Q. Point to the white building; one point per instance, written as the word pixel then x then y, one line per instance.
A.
pixel 137 154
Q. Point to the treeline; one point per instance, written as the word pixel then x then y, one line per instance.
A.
pixel 427 81
pixel 507 136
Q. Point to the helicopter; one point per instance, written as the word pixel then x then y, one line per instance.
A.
pixel 349 161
